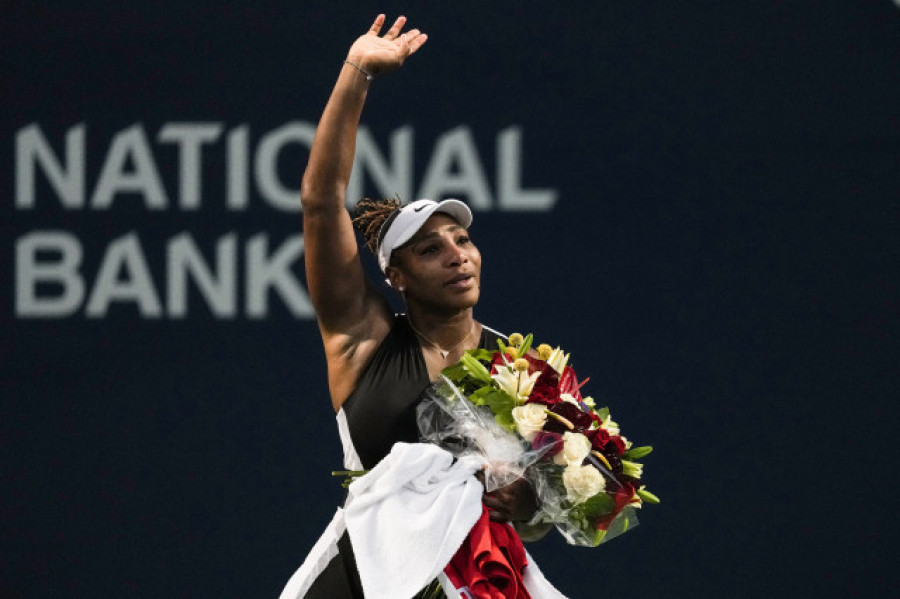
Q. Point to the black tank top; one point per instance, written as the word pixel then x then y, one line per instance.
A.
pixel 381 410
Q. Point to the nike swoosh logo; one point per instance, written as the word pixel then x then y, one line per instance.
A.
pixel 420 208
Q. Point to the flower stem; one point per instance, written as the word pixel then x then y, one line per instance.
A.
pixel 353 473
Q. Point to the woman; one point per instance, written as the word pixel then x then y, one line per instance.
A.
pixel 379 363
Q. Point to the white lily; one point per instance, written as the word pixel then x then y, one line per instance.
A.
pixel 515 383
pixel 558 360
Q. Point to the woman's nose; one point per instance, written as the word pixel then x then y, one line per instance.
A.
pixel 457 255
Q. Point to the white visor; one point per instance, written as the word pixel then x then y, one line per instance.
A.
pixel 411 218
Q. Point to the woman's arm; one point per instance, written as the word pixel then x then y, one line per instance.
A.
pixel 350 311
pixel 334 273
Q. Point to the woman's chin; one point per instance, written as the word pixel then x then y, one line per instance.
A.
pixel 467 299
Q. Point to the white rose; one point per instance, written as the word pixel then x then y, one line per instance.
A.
pixel 530 420
pixel 582 483
pixel 576 448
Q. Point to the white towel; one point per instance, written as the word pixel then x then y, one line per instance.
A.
pixel 406 519
pixel 315 563
pixel 409 516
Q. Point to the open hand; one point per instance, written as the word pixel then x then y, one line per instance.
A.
pixel 381 54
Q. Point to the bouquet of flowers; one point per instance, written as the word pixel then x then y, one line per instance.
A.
pixel 522 410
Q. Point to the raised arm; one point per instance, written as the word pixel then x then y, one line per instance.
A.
pixel 350 311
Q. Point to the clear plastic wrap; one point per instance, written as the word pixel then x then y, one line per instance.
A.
pixel 448 419
pixel 579 491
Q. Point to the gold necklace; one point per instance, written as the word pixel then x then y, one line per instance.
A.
pixel 444 352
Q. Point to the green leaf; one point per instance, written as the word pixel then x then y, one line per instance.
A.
pixel 455 373
pixel 469 367
pixel 506 421
pixel 603 413
pixel 526 345
pixel 600 504
pixel 475 368
pixel 636 453
pixel 484 355
pixel 499 402
pixel 478 396
pixel 647 496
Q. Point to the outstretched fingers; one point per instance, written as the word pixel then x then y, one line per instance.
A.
pixel 396 28
pixel 414 39
pixel 378 54
pixel 377 24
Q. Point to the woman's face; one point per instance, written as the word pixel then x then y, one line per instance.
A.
pixel 439 266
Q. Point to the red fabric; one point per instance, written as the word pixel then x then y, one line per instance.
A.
pixel 490 562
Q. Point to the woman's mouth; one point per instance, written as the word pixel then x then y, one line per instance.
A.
pixel 461 282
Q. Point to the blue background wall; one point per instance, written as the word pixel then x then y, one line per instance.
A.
pixel 721 259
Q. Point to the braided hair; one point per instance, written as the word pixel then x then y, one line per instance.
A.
pixel 370 217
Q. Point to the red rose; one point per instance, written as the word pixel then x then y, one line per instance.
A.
pixel 619 443
pixel 551 443
pixel 548 376
pixel 599 438
pixel 544 392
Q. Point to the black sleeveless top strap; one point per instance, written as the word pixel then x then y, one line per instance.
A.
pixel 382 408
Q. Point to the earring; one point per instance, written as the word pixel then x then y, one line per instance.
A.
pixel 401 289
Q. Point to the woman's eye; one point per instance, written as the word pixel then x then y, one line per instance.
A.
pixel 463 240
